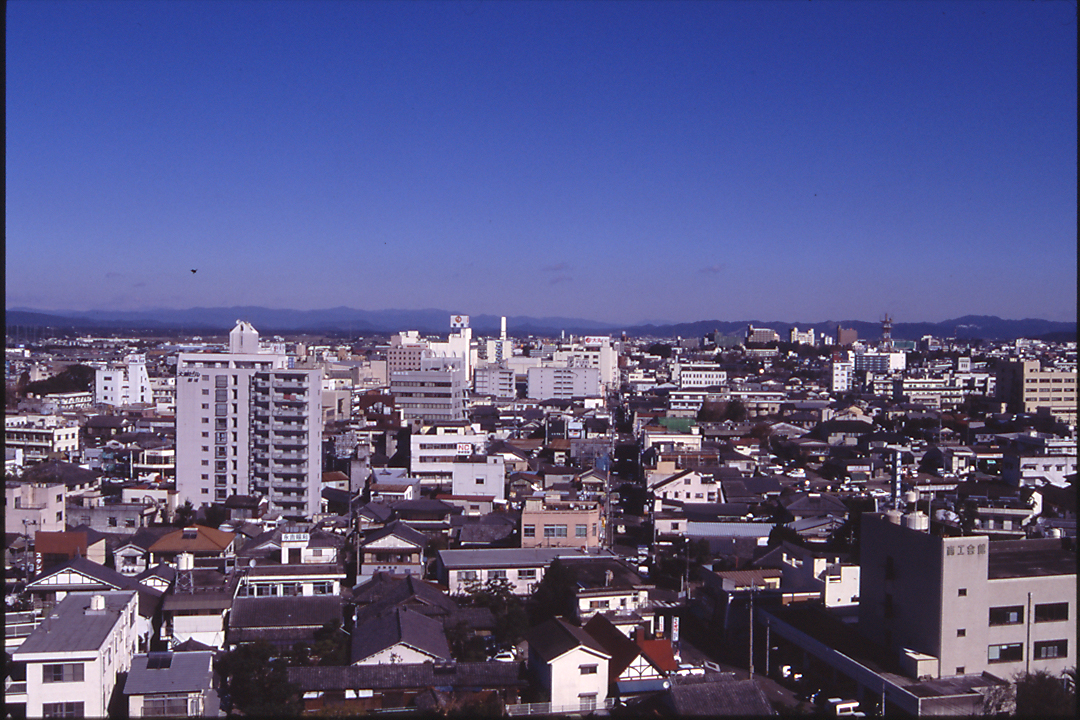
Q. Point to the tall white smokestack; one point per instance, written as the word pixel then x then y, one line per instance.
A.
pixel 502 330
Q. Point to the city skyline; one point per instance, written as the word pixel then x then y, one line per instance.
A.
pixel 625 163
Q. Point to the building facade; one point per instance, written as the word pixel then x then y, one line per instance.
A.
pixel 247 424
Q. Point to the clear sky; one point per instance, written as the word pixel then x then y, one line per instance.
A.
pixel 615 161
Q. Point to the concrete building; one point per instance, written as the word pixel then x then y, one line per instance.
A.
pixel 960 605
pixel 494 380
pixel 30 507
pixel 479 476
pixel 761 335
pixel 39 436
pixel 802 338
pixel 433 392
pixel 841 373
pixel 563 383
pixel 247 424
pixel 689 376
pixel 883 363
pixel 123 383
pixel 436 449
pixel 73 658
pixel 591 352
pixel 550 522
pixel 1028 388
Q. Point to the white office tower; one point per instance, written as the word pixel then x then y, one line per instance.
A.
pixel 248 424
pixel 880 363
pixel 125 383
pixel 433 392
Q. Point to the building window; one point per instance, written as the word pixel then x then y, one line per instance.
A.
pixel 581 531
pixel 529 574
pixel 1052 612
pixel 1005 653
pixel 496 574
pixel 528 531
pixel 467 575
pixel 962 592
pixel 960 670
pixel 587 669
pixel 961 632
pixel 1048 649
pixel 62 710
pixel 551 531
pixel 1012 615
pixel 65 672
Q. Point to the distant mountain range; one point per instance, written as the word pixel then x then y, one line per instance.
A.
pixel 361 322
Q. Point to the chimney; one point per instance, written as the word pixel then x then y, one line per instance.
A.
pixel 502 331
pixel 639 634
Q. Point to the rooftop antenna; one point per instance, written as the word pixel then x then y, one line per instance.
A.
pixel 886 332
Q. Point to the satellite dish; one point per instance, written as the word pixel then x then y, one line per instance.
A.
pixel 251 563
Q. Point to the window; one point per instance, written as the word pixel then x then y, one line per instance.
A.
pixel 112 522
pixel 62 709
pixel 581 531
pixel 960 670
pixel 551 531
pixel 1012 615
pixel 479 481
pixel 467 575
pixel 1052 612
pixel 587 669
pixel 1005 653
pixel 496 574
pixel 962 592
pixel 65 672
pixel 129 522
pixel 961 632
pixel 529 574
pixel 1051 649
pixel 528 531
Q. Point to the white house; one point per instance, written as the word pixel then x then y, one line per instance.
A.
pixel 570 664
pixel 74 656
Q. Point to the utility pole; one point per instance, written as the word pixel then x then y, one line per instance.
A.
pixel 752 587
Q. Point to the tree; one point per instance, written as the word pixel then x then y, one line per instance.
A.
pixel 257 683
pixel 185 515
pixel 660 350
pixel 1040 694
pixel 556 594
pixel 497 594
pixel 214 515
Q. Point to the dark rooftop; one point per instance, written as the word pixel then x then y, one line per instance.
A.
pixel 1030 558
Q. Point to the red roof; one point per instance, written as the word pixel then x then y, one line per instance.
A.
pixel 72 544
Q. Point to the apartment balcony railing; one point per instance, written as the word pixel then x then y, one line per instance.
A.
pixel 289 456
pixel 289 427
pixel 295 468
pixel 289 385
pixel 289 412
pixel 548 709
pixel 289 442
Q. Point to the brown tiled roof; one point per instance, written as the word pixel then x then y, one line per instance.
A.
pixel 72 544
pixel 207 540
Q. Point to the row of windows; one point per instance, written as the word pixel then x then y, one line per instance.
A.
pixel 1014 614
pixel 1014 652
pixel 62 672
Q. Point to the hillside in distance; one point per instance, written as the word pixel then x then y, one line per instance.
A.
pixel 433 321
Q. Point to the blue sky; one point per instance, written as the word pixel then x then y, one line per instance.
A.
pixel 613 161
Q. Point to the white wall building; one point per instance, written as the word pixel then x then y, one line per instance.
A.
pixel 125 383
pixel 74 656
pixel 480 477
pixel 592 352
pixel 247 424
pixel 563 383
pixel 841 373
pixel 39 436
pixel 434 392
pixel 436 449
pixel 689 376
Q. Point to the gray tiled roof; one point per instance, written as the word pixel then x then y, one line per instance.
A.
pixel 408 676
pixel 723 697
pixel 400 626
pixel 71 628
pixel 557 637
pixel 187 672
pixel 298 611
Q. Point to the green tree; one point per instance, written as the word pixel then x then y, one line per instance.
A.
pixel 1040 694
pixel 214 515
pixel 256 681
pixel 556 594
pixel 331 646
pixel 185 515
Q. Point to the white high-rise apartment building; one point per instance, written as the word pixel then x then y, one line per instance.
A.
pixel 698 375
pixel 125 383
pixel 842 372
pixel 563 383
pixel 249 424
